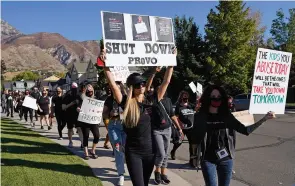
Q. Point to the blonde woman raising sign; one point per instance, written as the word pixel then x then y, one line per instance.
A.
pixel 137 115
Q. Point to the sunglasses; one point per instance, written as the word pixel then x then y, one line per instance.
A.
pixel 139 85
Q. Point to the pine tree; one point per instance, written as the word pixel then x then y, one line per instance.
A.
pixel 228 38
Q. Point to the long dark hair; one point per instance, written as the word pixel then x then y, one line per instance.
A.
pixel 206 101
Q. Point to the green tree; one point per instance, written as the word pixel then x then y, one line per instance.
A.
pixel 283 36
pixel 228 38
pixel 3 69
pixel 27 75
pixel 60 74
pixel 190 63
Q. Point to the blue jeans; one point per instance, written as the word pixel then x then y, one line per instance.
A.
pixel 222 169
pixel 117 138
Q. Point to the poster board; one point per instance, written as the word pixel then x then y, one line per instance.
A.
pixel 244 117
pixel 199 88
pixel 30 103
pixel 270 81
pixel 120 73
pixel 91 111
pixel 193 87
pixel 137 40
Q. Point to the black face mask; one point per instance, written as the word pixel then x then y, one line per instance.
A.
pixel 185 100
pixel 74 91
pixel 89 93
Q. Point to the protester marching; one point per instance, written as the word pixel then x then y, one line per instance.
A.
pixel 138 112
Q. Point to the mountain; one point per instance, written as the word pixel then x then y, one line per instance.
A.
pixel 43 50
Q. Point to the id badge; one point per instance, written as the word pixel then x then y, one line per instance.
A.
pixel 221 153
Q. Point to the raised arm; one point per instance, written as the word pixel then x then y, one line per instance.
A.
pixel 109 76
pixel 246 130
pixel 151 78
pixel 163 87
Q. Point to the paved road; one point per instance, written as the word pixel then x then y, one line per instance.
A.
pixel 265 158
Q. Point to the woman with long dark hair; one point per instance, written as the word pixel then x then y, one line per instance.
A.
pixel 214 127
pixel 137 120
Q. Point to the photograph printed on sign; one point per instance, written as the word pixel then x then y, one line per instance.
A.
pixel 164 31
pixel 141 28
pixel 114 27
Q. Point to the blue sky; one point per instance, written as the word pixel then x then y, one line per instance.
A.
pixel 81 20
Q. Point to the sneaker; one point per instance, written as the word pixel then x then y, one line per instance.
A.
pixel 42 127
pixel 172 154
pixel 49 128
pixel 32 124
pixel 60 138
pixel 165 179
pixel 71 144
pixel 121 181
pixel 234 172
pixel 157 179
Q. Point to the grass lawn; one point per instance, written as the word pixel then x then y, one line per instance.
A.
pixel 29 159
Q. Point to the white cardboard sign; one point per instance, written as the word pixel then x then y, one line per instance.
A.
pixel 91 111
pixel 120 73
pixel 193 87
pixel 137 40
pixel 270 81
pixel 199 88
pixel 30 103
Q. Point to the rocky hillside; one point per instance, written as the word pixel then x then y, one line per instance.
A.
pixel 43 50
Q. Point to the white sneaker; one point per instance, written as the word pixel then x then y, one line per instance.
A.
pixel 121 181
pixel 60 138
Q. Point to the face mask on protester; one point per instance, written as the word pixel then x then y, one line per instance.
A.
pixel 26 93
pixel 215 102
pixel 185 100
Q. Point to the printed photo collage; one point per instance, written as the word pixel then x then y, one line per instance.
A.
pixel 114 27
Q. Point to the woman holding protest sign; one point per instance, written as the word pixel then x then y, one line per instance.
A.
pixel 87 127
pixel 140 147
pixel 214 126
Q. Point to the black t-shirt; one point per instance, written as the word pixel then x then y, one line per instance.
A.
pixel 44 102
pixel 69 98
pixel 167 111
pixel 216 137
pixel 185 113
pixel 139 139
pixel 57 101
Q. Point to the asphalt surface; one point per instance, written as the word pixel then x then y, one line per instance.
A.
pixel 264 158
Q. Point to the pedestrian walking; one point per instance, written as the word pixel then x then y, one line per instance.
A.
pixel 137 120
pixel 213 130
pixel 9 104
pixel 43 104
pixel 59 113
pixel 87 127
pixel 36 95
pixel 28 111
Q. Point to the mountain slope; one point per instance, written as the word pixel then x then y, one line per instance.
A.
pixel 44 50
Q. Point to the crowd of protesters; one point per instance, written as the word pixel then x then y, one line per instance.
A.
pixel 141 124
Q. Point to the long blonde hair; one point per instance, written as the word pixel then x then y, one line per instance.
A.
pixel 131 112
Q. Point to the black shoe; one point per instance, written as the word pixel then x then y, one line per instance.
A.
pixel 49 128
pixel 42 127
pixel 82 147
pixel 157 179
pixel 192 164
pixel 172 155
pixel 165 179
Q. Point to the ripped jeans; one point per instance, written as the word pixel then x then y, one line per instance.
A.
pixel 117 138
